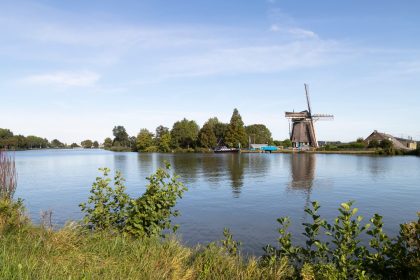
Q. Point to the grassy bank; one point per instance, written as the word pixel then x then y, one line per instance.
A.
pixel 36 253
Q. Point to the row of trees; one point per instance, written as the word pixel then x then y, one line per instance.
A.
pixel 186 134
pixel 8 140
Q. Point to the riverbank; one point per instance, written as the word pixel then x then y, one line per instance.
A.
pixel 341 152
pixel 38 253
pixel 76 252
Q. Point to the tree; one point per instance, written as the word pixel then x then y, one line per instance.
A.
pixel 5 133
pixel 184 134
pixel 144 139
pixel 206 136
pixel 36 142
pixel 235 134
pixel 95 144
pixel 163 139
pixel 259 134
pixel 220 130
pixel 121 136
pixel 160 131
pixel 373 144
pixel 56 144
pixel 87 144
pixel 165 143
pixel 107 143
pixel 386 144
pixel 287 143
pixel 74 145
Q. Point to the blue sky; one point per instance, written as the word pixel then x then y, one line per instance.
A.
pixel 74 69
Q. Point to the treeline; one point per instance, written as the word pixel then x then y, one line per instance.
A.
pixel 10 141
pixel 186 135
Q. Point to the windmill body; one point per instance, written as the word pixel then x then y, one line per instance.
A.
pixel 303 133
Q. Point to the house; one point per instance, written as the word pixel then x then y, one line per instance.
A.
pixel 399 143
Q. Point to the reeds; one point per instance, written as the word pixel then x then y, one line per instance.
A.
pixel 8 175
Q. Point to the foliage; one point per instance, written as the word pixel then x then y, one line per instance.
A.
pixel 373 144
pixel 286 143
pixel 19 142
pixel 120 136
pixel 220 130
pixel 107 143
pixel 95 144
pixel 87 144
pixel 144 140
pixel 259 134
pixel 231 245
pixel 111 208
pixel 339 255
pixel 162 139
pixel 56 144
pixel 184 134
pixel 236 135
pixel 207 137
pixel 12 216
pixel 106 207
pixel 165 143
pixel 74 145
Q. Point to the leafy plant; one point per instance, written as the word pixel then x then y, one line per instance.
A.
pixel 111 208
pixel 151 213
pixel 231 245
pixel 342 256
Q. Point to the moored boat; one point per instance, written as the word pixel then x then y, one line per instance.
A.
pixel 224 149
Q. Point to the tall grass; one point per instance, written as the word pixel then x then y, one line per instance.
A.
pixel 8 175
pixel 71 253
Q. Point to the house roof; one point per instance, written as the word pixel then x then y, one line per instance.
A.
pixel 396 142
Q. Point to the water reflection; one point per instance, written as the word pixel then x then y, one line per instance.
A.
pixel 302 167
pixel 235 166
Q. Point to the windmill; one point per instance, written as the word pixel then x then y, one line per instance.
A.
pixel 303 133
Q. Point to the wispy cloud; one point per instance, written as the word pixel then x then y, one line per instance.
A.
pixel 253 59
pixel 294 31
pixel 64 79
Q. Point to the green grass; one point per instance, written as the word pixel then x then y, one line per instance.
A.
pixel 70 253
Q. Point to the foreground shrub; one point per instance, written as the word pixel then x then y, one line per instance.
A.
pixel 12 216
pixel 341 256
pixel 111 208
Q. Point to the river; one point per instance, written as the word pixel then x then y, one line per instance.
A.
pixel 244 192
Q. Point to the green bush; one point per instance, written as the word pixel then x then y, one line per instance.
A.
pixel 339 254
pixel 152 149
pixel 12 215
pixel 111 208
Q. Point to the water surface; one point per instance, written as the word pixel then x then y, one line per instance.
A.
pixel 244 192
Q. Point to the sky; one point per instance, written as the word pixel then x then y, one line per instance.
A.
pixel 73 70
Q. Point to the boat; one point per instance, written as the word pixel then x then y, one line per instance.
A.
pixel 224 149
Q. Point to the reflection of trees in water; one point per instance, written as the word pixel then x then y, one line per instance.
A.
pixel 213 167
pixel 235 166
pixel 120 162
pixel 186 166
pixel 303 173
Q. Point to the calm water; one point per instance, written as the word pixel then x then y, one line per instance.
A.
pixel 245 192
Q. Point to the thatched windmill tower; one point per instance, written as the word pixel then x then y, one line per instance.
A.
pixel 303 129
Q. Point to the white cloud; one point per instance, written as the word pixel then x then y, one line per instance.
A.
pixel 253 59
pixel 299 32
pixel 296 32
pixel 66 79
